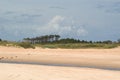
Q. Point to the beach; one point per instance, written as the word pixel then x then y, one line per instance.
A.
pixel 59 64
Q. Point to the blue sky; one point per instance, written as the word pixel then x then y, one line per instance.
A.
pixel 80 19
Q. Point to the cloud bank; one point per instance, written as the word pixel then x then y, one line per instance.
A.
pixel 21 27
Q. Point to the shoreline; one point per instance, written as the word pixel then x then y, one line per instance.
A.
pixel 62 65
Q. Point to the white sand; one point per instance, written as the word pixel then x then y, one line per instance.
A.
pixel 108 58
pixel 39 72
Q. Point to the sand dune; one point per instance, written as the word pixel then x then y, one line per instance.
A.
pixel 101 61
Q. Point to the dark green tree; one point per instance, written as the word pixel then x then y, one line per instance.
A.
pixel 0 39
pixel 57 37
pixel 118 40
pixel 107 42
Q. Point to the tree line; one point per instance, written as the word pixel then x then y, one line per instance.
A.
pixel 43 39
pixel 57 39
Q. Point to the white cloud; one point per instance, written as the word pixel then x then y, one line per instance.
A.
pixel 55 22
pixel 82 31
pixel 62 26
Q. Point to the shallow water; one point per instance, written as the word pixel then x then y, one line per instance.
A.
pixel 62 65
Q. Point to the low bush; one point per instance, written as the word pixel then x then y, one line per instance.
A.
pixel 79 45
pixel 26 45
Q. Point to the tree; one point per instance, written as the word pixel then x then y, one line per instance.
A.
pixel 118 40
pixel 107 42
pixel 0 39
pixel 52 38
pixel 90 42
pixel 57 37
pixel 46 37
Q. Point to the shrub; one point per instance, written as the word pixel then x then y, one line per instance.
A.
pixel 26 45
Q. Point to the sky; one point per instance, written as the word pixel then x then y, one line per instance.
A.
pixel 80 19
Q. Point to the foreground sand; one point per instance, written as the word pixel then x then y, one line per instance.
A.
pixel 40 72
pixel 101 61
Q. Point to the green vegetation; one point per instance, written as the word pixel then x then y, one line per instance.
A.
pixel 118 40
pixel 78 45
pixel 53 41
pixel 43 39
pixel 26 45
pixel 7 43
pixel 16 44
pixel 0 40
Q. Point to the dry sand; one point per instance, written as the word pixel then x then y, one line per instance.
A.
pixel 101 61
pixel 39 72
